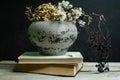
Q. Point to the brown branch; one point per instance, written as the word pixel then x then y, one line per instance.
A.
pixel 97 37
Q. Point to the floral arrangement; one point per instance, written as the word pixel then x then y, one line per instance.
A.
pixel 99 36
pixel 64 11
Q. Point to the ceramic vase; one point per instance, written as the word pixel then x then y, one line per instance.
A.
pixel 52 37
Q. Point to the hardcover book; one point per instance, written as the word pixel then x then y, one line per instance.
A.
pixel 51 69
pixel 36 58
pixel 65 65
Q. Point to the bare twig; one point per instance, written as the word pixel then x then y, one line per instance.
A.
pixel 99 39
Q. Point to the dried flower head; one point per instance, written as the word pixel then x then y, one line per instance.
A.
pixel 64 11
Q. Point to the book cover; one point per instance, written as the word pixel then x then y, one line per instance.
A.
pixel 52 69
pixel 36 58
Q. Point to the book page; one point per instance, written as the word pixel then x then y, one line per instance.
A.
pixel 37 55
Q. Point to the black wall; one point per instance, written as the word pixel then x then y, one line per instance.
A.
pixel 14 25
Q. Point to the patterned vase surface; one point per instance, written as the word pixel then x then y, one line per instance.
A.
pixel 52 38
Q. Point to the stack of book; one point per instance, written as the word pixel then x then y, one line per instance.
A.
pixel 65 65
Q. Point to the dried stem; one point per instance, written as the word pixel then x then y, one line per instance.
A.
pixel 98 38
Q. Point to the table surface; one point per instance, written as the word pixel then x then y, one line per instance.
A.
pixel 88 72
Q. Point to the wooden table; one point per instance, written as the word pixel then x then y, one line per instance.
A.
pixel 88 72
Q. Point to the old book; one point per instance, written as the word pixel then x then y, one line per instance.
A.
pixel 52 69
pixel 36 58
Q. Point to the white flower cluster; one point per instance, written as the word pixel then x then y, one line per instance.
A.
pixel 65 5
pixel 81 23
pixel 68 13
pixel 74 14
pixel 64 11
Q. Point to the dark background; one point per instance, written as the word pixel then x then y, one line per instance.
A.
pixel 14 25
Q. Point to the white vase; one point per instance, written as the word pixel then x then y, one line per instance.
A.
pixel 52 37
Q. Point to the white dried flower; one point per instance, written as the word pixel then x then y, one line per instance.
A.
pixel 78 11
pixel 62 14
pixel 81 23
pixel 75 14
pixel 65 5
pixel 70 6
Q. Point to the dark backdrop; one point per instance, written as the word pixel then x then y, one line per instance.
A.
pixel 14 25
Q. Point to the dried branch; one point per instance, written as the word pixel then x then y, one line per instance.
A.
pixel 99 38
